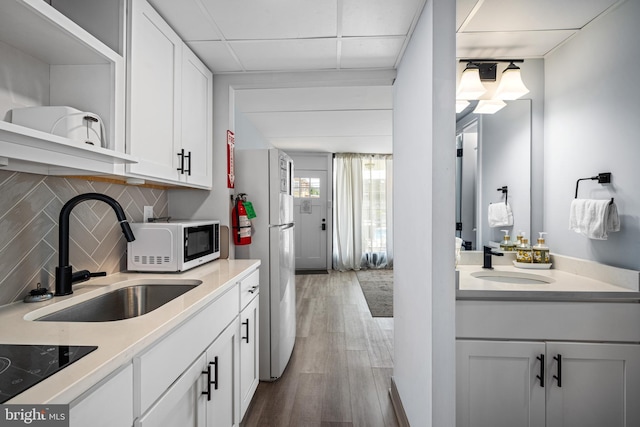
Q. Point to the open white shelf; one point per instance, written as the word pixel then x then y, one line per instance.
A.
pixel 30 146
pixel 39 30
pixel 84 73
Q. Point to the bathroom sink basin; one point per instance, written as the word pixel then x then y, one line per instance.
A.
pixel 119 304
pixel 513 277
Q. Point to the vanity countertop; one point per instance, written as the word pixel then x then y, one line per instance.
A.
pixel 574 280
pixel 118 341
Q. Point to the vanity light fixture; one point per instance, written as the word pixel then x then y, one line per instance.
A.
pixel 478 70
pixel 489 106
pixel 470 86
pixel 511 86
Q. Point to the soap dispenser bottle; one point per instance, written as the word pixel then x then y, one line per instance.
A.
pixel 541 251
pixel 506 245
pixel 523 253
pixel 519 238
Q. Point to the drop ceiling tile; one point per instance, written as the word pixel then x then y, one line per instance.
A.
pixel 379 17
pixel 522 15
pixel 283 55
pixel 282 19
pixel 370 52
pixel 188 18
pixel 216 56
pixel 463 8
pixel 521 44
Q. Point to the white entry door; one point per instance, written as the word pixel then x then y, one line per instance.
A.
pixel 310 216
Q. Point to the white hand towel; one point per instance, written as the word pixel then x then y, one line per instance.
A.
pixel 500 215
pixel 593 218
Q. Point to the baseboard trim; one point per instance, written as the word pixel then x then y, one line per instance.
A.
pixel 403 421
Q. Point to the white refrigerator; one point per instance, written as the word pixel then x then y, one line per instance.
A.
pixel 266 176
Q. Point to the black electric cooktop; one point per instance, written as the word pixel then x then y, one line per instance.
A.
pixel 23 366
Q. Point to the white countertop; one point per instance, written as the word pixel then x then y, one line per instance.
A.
pixel 596 282
pixel 118 341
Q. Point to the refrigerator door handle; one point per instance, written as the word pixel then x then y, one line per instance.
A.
pixel 283 227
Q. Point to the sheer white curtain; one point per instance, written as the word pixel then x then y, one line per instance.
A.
pixel 363 218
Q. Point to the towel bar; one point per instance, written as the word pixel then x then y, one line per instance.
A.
pixel 505 191
pixel 603 178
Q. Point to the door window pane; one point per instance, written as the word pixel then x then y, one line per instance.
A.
pixel 306 187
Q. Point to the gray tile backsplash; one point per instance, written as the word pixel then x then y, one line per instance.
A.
pixel 29 209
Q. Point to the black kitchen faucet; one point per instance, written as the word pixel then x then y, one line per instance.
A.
pixel 64 275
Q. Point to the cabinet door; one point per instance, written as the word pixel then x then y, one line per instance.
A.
pixel 249 375
pixel 90 409
pixel 600 385
pixel 222 361
pixel 154 71
pixel 497 384
pixel 197 119
pixel 183 404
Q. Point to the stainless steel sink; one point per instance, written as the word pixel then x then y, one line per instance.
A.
pixel 120 304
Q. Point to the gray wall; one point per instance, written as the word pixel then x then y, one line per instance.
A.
pixel 591 112
pixel 29 209
pixel 424 219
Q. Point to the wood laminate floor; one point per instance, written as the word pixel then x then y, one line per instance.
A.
pixel 340 370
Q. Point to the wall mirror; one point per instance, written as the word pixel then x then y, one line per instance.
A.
pixel 494 151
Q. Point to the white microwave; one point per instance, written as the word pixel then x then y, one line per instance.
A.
pixel 173 246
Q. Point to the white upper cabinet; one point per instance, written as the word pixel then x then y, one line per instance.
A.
pixel 48 59
pixel 154 68
pixel 118 60
pixel 196 119
pixel 169 124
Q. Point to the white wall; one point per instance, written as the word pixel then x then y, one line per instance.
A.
pixel 216 203
pixel 246 134
pixel 591 112
pixel 424 169
pixel 24 81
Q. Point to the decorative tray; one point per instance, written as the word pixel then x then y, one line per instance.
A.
pixel 533 266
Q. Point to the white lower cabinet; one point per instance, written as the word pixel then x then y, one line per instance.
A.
pixel 249 345
pixel 554 384
pixel 204 372
pixel 204 393
pixel 191 374
pixel 108 404
pixel 221 373
pixel 183 404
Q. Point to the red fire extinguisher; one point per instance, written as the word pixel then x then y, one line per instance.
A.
pixel 240 222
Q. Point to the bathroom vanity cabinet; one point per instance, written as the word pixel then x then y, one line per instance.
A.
pixel 530 383
pixel 555 364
